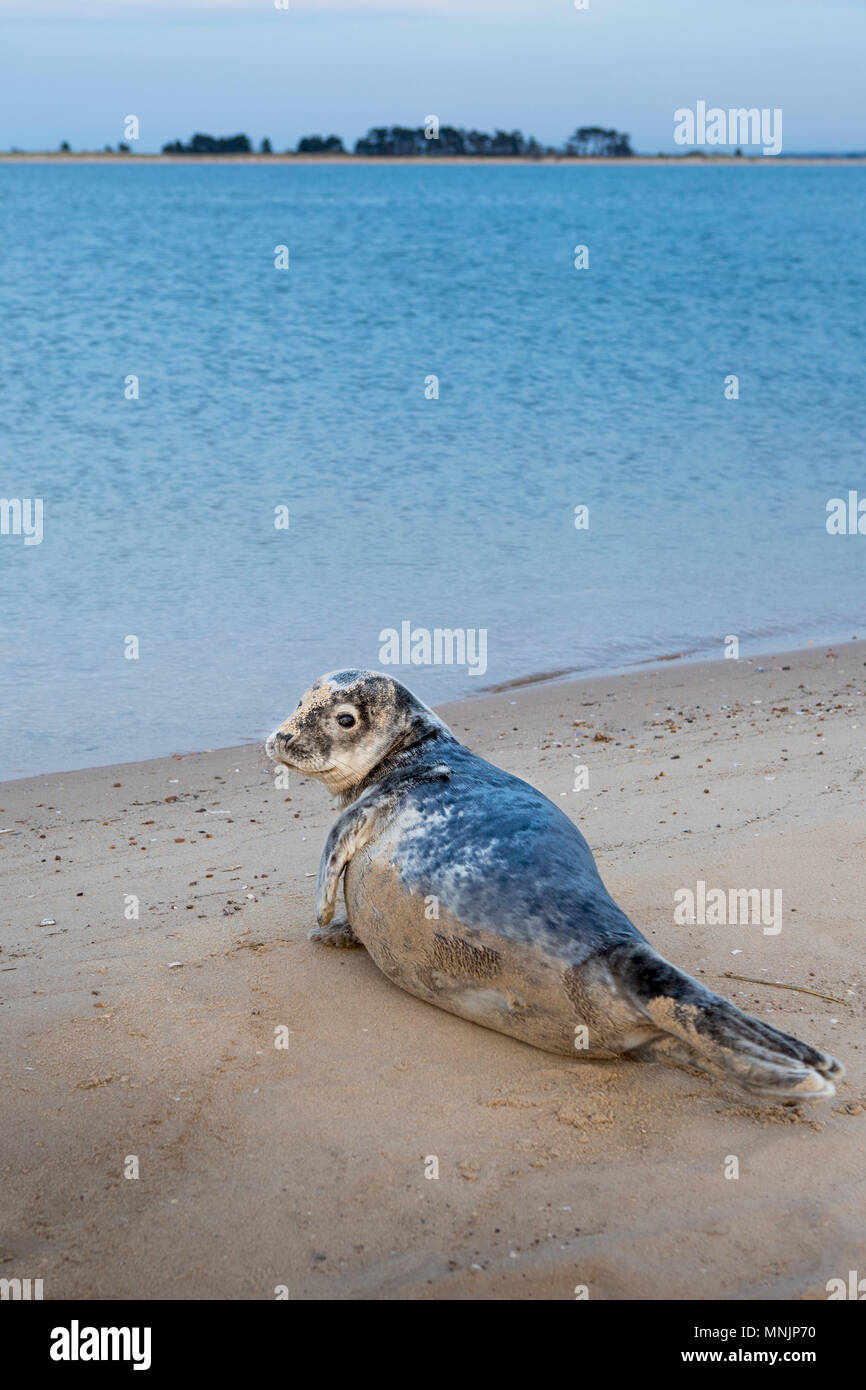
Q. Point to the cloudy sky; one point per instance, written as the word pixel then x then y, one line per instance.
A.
pixel 73 69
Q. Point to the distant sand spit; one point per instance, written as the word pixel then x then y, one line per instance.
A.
pixel 642 161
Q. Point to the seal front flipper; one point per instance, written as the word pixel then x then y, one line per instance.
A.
pixel 339 933
pixel 348 834
pixel 701 1029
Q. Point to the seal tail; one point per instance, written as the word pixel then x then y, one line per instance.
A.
pixel 700 1028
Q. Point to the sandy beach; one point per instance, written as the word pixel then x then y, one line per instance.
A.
pixel 152 1036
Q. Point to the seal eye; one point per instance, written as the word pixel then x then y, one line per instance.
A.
pixel 347 720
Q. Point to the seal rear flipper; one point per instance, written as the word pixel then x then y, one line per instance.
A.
pixel 718 1036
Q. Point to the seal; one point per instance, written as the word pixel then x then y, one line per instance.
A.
pixel 474 892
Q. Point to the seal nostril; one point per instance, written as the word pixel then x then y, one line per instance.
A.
pixel 287 738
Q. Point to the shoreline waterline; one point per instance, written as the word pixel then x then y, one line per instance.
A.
pixel 566 678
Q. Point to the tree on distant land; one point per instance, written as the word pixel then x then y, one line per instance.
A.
pixel 209 144
pixel 318 144
pixel 596 140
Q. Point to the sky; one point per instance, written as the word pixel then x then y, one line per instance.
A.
pixel 74 69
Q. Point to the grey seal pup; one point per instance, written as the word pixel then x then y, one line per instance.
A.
pixel 473 891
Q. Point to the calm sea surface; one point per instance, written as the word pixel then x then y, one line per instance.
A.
pixel 305 389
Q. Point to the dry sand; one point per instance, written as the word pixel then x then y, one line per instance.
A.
pixel 305 1166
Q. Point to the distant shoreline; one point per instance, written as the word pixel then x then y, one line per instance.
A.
pixel 644 161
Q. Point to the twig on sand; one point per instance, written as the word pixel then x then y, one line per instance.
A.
pixel 776 984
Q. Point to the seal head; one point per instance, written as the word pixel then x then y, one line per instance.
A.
pixel 350 728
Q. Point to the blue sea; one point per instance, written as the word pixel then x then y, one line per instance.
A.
pixel 310 389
